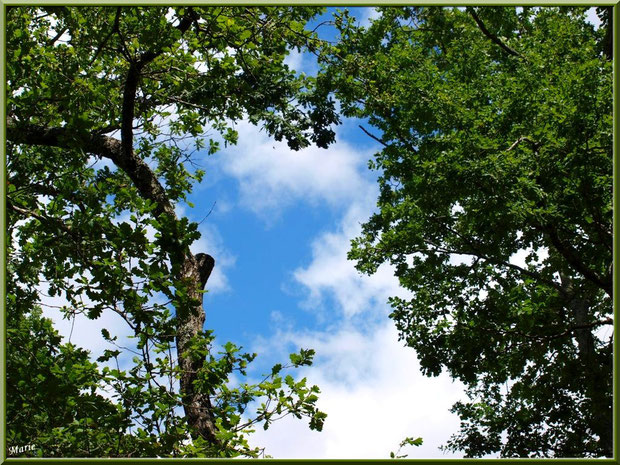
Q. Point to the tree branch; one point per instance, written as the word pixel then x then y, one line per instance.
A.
pixel 521 139
pixel 104 146
pixel 572 257
pixel 42 218
pixel 372 136
pixel 105 40
pixel 549 337
pixel 131 86
pixel 476 251
pixel 490 35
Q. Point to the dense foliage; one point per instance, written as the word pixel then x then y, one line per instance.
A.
pixel 495 210
pixel 106 109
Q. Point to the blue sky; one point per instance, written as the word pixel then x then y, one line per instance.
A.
pixel 280 231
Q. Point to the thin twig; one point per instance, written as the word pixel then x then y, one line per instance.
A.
pixel 210 211
pixel 372 136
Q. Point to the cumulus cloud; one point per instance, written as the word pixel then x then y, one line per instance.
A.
pixel 294 60
pixel 593 18
pixel 372 387
pixel 331 274
pixel 272 177
pixel 374 395
pixel 301 62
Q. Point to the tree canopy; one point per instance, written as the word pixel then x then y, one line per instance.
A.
pixel 495 210
pixel 106 108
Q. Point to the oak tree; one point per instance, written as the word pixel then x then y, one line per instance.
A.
pixel 495 210
pixel 108 108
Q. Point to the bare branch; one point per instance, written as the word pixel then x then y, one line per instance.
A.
pixel 372 136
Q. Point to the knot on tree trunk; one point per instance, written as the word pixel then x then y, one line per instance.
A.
pixel 205 263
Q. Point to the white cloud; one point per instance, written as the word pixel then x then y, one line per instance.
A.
pixel 372 387
pixel 332 274
pixel 272 177
pixel 83 331
pixel 374 395
pixel 294 60
pixel 301 62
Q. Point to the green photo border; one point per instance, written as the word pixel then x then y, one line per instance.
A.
pixel 349 3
